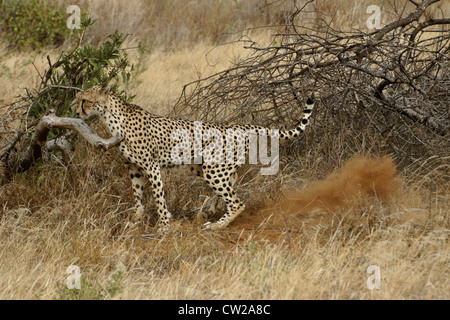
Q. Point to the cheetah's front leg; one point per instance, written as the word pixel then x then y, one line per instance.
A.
pixel 153 171
pixel 137 182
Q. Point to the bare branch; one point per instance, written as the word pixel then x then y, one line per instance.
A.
pixel 399 74
pixel 50 122
pixel 39 140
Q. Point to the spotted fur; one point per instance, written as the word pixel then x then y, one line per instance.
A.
pixel 147 147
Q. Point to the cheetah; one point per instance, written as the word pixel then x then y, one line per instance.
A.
pixel 148 145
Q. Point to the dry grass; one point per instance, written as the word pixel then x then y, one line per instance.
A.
pixel 51 218
pixel 175 24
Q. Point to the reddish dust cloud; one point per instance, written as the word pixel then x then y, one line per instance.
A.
pixel 360 178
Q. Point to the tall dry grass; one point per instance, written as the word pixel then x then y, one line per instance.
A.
pixel 51 217
pixel 175 24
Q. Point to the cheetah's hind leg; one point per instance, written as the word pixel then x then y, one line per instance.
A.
pixel 221 179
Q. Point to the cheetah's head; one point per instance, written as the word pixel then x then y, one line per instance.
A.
pixel 92 102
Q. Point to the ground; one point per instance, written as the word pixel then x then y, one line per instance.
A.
pixel 267 253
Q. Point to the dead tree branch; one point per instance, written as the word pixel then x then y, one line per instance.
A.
pixel 392 82
pixel 39 141
pixel 20 159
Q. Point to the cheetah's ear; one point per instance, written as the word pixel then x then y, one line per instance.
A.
pixel 101 94
pixel 106 89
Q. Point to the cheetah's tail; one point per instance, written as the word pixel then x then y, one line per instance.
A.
pixel 294 133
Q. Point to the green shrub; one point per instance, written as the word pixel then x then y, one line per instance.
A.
pixel 32 24
pixel 83 67
pixel 80 68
